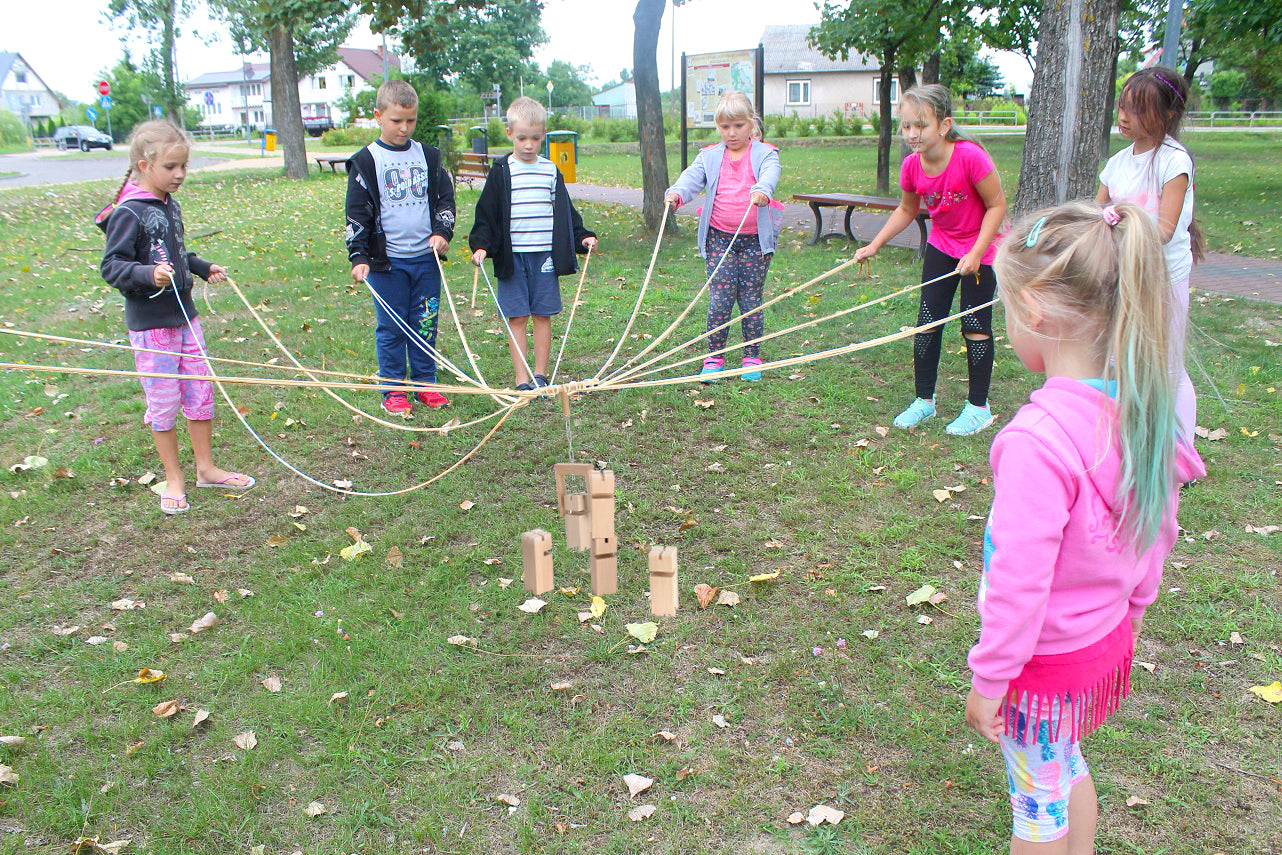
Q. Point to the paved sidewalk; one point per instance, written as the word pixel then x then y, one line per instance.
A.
pixel 1234 275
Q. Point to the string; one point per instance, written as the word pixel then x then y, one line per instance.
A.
pixel 645 284
pixel 565 336
pixel 520 348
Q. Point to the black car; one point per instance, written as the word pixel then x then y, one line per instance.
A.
pixel 82 137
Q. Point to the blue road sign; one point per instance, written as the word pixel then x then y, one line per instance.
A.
pixel 209 98
pixel 105 102
pixel 157 111
pixel 91 114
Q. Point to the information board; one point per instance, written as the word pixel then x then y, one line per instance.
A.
pixel 710 75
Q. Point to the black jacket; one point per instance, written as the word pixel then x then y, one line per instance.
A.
pixel 492 230
pixel 141 234
pixel 366 243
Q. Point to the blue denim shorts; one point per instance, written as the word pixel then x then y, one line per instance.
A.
pixel 533 288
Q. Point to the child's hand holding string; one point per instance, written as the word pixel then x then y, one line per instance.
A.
pixel 162 275
pixel 760 199
pixel 968 264
pixel 984 715
pixel 217 273
pixel 589 243
pixel 672 200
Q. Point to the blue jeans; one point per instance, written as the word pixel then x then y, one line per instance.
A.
pixel 412 289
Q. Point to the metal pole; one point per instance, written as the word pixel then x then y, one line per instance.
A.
pixel 681 109
pixel 1171 44
pixel 384 57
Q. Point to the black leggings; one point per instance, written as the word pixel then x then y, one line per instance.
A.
pixel 936 303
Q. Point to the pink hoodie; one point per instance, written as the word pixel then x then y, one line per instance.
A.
pixel 1056 577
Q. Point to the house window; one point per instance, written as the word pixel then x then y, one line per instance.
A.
pixel 348 81
pixel 798 93
pixel 320 82
pixel 894 91
pixel 20 77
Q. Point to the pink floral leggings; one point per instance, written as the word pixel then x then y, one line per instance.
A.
pixel 742 279
pixel 166 396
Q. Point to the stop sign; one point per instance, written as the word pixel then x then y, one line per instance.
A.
pixel 104 88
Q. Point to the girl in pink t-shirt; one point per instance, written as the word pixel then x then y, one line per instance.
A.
pixel 954 179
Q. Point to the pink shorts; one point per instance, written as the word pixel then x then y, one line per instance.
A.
pixel 182 348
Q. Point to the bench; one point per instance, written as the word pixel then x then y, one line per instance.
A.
pixel 851 201
pixel 332 159
pixel 473 165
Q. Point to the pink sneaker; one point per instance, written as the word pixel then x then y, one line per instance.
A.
pixel 751 362
pixel 711 365
pixel 432 399
pixel 397 404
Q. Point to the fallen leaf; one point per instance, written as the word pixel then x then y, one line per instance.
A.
pixel 637 784
pixel 199 719
pixel 96 640
pixel 146 675
pixel 666 736
pixel 507 799
pixel 127 604
pixel 71 630
pixel 298 511
pixel 356 550
pixel 503 583
pixel 165 709
pixel 12 741
pixel 765 577
pixel 532 606
pixel 938 597
pixel 343 484
pixel 706 404
pixel 245 741
pixel 728 598
pixel 882 431
pixel 796 818
pixel 920 595
pixel 8 776
pixel 690 523
pixel 639 813
pixel 220 596
pixel 1147 666
pixel 338 697
pixel 461 640
pixel 561 685
pixel 315 809
pixel 244 593
pixel 1271 693
pixel 925 620
pixel 209 621
pixel 1236 638
pixel 276 541
pixel 773 544
pixel 119 646
pixel 941 495
pixel 870 633
pixel 719 720
pixel 684 772
pixel 819 814
pixel 175 637
pixel 704 594
pixel 394 558
pixel 271 683
pixel 597 608
pixel 147 478
pixel 1135 801
pixel 643 632
pixel 181 577
pixel 467 504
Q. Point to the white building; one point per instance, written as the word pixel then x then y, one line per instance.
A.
pixel 617 102
pixel 244 96
pixel 22 92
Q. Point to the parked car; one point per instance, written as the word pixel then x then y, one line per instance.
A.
pixel 82 137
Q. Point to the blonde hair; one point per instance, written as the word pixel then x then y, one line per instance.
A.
pixel 1107 285
pixel 735 106
pixel 938 102
pixel 148 142
pixel 396 93
pixel 527 111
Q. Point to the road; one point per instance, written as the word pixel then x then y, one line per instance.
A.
pixel 65 167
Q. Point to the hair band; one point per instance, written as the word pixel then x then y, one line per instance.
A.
pixel 1111 215
pixel 1034 233
pixel 1170 85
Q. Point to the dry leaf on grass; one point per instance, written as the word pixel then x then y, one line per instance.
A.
pixel 925 620
pixel 719 720
pixel 941 495
pixel 8 776
pixel 504 582
pixel 764 577
pixel 684 772
pixel 532 606
pixel 95 640
pixel 597 608
pixel 338 697
pixel 637 784
pixel 358 548
pixel 639 813
pixel 467 504
pixel 689 523
pixel 245 741
pixel 705 594
pixel 147 675
pixel 182 578
pixel 165 709
pixel 666 736
pixel 200 718
pixel 919 596
pixel 127 604
pixel 819 814
pixel 220 596
pixel 706 404
pixel 70 630
pixel 561 685
pixel 314 809
pixel 508 799
pixel 175 637
pixel 395 558
pixel 461 641
pixel 870 633
pixel 1271 693
pixel 728 598
pixel 12 741
pixel 643 632
pixel 796 818
pixel 209 621
pixel 119 646
pixel 271 683
pixel 1135 801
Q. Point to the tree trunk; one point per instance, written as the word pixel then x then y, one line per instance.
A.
pixel 173 106
pixel 887 120
pixel 1066 111
pixel 287 112
pixel 907 77
pixel 930 69
pixel 645 76
pixel 1193 61
pixel 1110 101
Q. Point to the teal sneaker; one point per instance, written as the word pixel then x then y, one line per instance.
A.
pixel 751 376
pixel 712 365
pixel 918 411
pixel 972 420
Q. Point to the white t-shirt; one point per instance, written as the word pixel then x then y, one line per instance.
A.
pixel 533 188
pixel 405 212
pixel 1139 179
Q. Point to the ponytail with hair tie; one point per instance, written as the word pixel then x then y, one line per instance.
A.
pixel 101 219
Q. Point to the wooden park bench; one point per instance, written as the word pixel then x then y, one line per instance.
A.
pixel 851 201
pixel 472 165
pixel 332 159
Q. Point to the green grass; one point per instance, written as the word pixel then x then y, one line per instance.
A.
pixel 805 485
pixel 1239 178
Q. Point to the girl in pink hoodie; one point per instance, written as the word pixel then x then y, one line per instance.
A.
pixel 1086 484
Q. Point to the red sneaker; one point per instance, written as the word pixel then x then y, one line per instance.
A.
pixel 432 400
pixel 397 404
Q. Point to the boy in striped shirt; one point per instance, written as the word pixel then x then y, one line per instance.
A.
pixel 526 224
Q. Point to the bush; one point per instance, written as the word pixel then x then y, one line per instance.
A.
pixel 838 123
pixel 820 125
pixel 781 125
pixel 12 131
pixel 496 132
pixel 433 109
pixel 354 137
pixel 563 122
pixel 874 122
pixel 856 126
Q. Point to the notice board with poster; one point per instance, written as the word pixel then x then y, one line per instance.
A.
pixel 705 77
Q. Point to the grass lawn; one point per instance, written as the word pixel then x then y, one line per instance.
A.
pixel 794 475
pixel 1239 178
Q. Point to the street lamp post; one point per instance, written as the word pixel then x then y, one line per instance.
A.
pixel 549 96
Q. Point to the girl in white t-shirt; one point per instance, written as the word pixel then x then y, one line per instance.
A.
pixel 1155 172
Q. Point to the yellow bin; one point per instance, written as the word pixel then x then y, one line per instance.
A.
pixel 270 140
pixel 563 150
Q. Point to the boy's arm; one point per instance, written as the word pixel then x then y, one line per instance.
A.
pixel 442 202
pixel 581 232
pixel 360 217
pixel 119 266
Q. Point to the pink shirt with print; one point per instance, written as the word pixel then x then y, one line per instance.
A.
pixel 734 190
pixel 952 197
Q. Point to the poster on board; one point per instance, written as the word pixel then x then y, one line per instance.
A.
pixel 710 75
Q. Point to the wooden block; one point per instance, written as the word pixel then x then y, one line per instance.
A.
pixel 560 471
pixel 536 554
pixel 605 574
pixel 601 503
pixel 577 525
pixel 663 581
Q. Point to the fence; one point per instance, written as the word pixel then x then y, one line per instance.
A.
pixel 1235 118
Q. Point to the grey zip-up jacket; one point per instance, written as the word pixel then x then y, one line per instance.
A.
pixel 705 172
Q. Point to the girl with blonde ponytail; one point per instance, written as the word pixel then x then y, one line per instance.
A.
pixel 1086 485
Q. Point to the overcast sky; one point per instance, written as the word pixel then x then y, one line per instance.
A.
pixel 69 52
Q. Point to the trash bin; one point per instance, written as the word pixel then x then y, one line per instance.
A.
pixel 480 138
pixel 269 140
pixel 563 150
